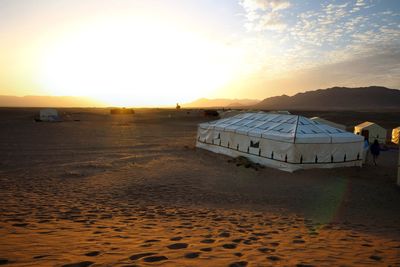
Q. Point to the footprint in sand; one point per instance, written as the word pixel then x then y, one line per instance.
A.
pixel 304 265
pixel 20 224
pixel 79 264
pixel 273 258
pixel 92 253
pixel 247 242
pixel 152 241
pixel 38 257
pixel 238 264
pixel 375 257
pixel 192 255
pixel 238 254
pixel 207 241
pixel 298 241
pixel 224 234
pixel 265 250
pixel 259 234
pixel 155 258
pixel 366 245
pixel 229 246
pixel 141 255
pixel 178 246
pixel 177 238
pixel 206 249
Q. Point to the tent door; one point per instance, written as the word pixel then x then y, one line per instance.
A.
pixel 365 133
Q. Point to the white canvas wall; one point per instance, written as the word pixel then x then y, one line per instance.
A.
pixel 284 152
pixel 375 132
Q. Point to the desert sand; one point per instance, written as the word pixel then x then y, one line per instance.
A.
pixel 132 190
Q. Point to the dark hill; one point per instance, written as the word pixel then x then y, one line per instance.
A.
pixel 336 98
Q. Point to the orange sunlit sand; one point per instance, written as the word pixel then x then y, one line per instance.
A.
pixel 196 133
pixel 123 190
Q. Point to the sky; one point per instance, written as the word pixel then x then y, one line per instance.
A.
pixel 159 52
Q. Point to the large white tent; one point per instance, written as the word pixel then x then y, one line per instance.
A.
pixel 286 142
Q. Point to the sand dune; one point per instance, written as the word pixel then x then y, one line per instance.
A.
pixel 133 191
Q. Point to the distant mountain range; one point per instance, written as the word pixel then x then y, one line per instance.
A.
pixel 221 102
pixel 336 98
pixel 47 101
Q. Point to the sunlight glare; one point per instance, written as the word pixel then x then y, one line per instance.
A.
pixel 135 63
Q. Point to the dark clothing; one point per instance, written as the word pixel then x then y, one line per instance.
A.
pixel 375 149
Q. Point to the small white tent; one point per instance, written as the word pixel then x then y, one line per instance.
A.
pixel 49 114
pixel 372 131
pixel 330 123
pixel 396 135
pixel 286 142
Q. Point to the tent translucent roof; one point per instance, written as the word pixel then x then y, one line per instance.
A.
pixel 331 123
pixel 282 127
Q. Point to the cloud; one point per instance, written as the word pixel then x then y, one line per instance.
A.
pixel 325 44
pixel 264 14
pixel 360 3
pixel 252 5
pixel 268 21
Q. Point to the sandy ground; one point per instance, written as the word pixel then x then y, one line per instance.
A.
pixel 102 190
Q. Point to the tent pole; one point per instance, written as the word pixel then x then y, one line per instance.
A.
pixel 295 129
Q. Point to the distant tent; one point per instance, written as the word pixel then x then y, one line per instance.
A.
pixel 396 135
pixel 119 111
pixel 48 114
pixel 371 131
pixel 280 112
pixel 210 113
pixel 330 123
pixel 286 142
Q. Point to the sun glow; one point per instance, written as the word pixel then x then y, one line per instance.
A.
pixel 135 62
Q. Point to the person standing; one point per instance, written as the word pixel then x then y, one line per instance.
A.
pixel 375 150
pixel 365 151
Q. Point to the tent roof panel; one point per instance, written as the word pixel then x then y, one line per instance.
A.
pixel 283 127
